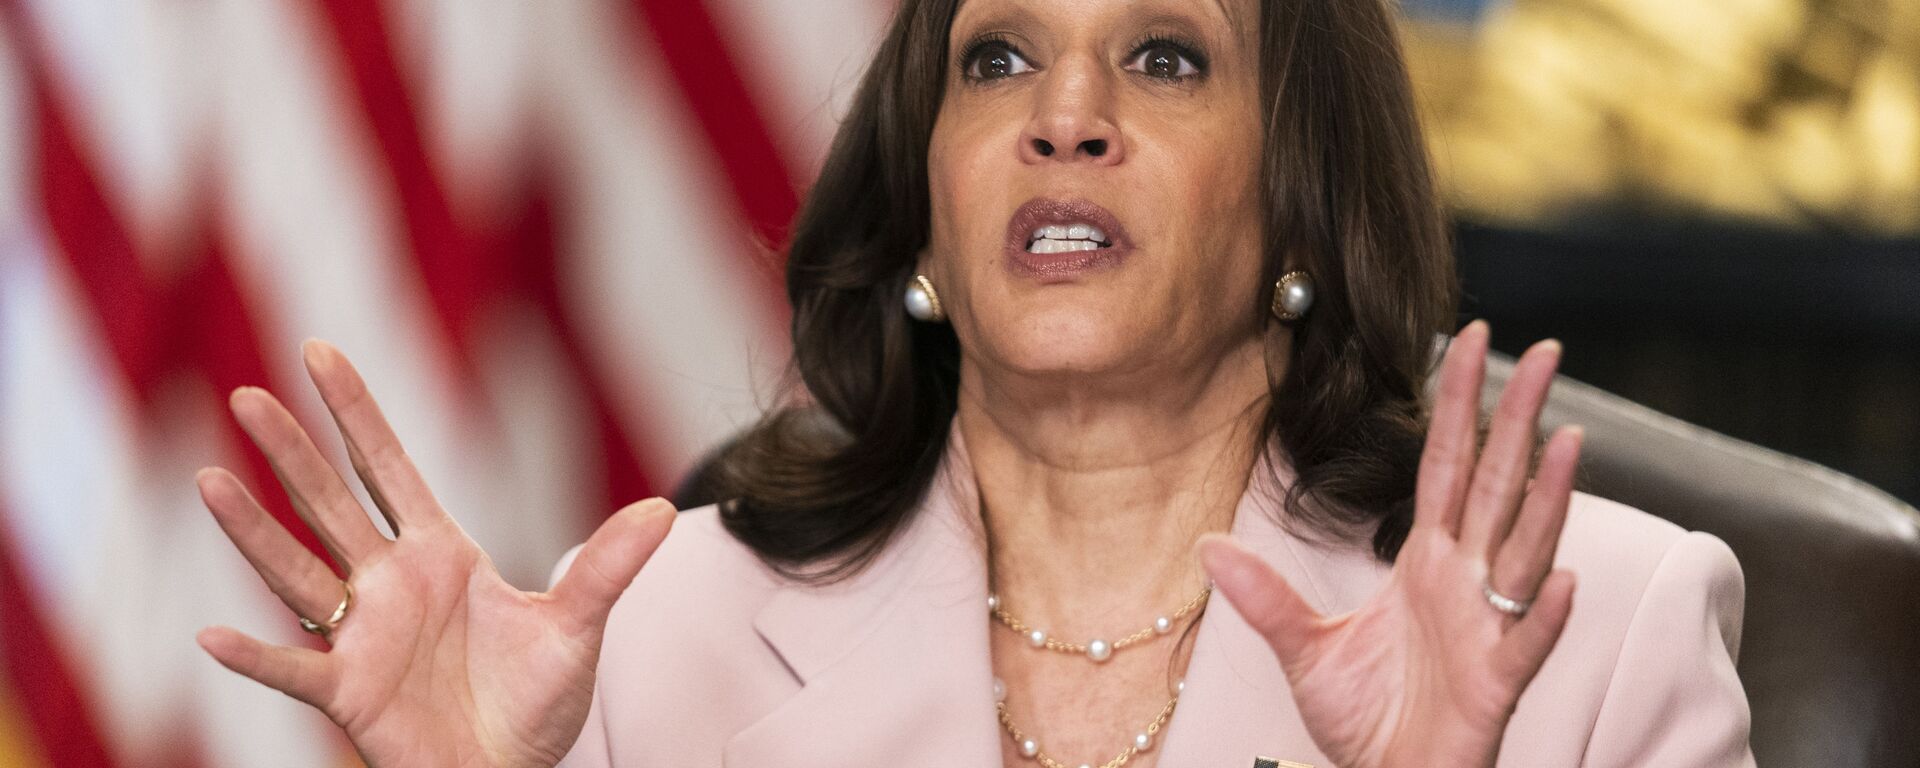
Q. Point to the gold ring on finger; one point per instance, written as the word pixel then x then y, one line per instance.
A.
pixel 1504 604
pixel 325 629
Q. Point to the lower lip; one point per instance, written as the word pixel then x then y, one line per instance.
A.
pixel 1059 267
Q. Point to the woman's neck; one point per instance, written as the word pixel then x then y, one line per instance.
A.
pixel 1093 496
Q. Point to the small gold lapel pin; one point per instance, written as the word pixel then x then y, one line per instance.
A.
pixel 1268 762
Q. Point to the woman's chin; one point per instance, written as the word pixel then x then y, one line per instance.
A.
pixel 1068 341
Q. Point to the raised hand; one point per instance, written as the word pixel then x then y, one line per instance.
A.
pixel 1429 670
pixel 438 661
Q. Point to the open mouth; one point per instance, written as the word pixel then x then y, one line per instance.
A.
pixel 1055 240
pixel 1051 225
pixel 1064 238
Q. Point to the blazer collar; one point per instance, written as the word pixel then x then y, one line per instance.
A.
pixel 894 664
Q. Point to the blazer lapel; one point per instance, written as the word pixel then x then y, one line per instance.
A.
pixel 893 662
pixel 1237 705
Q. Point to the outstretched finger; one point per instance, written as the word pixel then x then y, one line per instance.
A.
pixel 384 468
pixel 1446 464
pixel 609 561
pixel 1261 595
pixel 301 581
pixel 1519 654
pixel 1527 555
pixel 302 673
pixel 1507 458
pixel 318 494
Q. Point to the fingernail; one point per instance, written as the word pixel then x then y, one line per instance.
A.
pixel 311 351
pixel 207 637
pixel 1207 538
pixel 235 397
pixel 1217 558
pixel 651 508
pixel 1576 433
pixel 663 511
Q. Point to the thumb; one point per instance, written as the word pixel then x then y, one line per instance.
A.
pixel 610 560
pixel 1262 596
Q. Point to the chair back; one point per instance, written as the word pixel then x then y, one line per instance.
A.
pixel 1830 653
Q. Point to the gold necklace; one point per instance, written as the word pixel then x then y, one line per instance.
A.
pixel 1099 651
pixel 1030 746
pixel 1096 649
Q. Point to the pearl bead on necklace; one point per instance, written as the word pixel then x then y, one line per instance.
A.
pixel 1142 741
pixel 1098 651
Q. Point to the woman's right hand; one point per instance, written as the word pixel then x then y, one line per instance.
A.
pixel 439 662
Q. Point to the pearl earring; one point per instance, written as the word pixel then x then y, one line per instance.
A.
pixel 1292 295
pixel 923 303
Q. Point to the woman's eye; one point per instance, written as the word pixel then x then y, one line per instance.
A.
pixel 994 60
pixel 1164 61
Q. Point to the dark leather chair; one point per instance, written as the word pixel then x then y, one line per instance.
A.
pixel 1830 653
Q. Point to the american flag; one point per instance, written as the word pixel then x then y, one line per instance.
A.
pixel 545 229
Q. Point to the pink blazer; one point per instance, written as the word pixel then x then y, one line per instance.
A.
pixel 712 660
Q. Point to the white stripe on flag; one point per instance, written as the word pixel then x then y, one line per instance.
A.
pixel 134 77
pixel 660 267
pixel 803 61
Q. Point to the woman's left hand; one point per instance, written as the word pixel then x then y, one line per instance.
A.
pixel 1428 671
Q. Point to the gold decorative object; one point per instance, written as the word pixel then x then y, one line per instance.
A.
pixel 1787 112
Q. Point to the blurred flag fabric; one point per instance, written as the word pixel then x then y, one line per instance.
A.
pixel 542 230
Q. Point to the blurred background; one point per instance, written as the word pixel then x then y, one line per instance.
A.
pixel 540 228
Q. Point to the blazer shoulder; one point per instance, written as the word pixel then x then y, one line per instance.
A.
pixel 699 576
pixel 1615 550
pixel 1628 566
pixel 1668 616
pixel 1655 607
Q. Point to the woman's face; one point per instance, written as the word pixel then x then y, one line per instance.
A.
pixel 1094 174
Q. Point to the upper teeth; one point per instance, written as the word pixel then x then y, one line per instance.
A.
pixel 1059 238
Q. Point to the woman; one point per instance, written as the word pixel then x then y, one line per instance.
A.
pixel 1084 285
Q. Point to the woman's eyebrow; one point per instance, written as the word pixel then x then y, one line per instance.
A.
pixel 1016 16
pixel 1183 16
pixel 1186 24
pixel 1226 13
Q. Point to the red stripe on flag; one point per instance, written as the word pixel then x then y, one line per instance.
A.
pixel 141 328
pixel 106 269
pixel 535 242
pixel 210 330
pixel 98 248
pixel 152 332
pixel 52 700
pixel 716 92
pixel 457 282
pixel 467 270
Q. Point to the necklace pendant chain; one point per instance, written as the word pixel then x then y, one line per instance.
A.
pixel 1030 747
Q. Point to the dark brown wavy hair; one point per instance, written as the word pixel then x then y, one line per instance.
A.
pixel 818 489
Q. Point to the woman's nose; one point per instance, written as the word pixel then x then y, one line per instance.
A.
pixel 1072 120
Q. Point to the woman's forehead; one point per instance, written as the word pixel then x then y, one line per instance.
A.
pixel 1233 12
